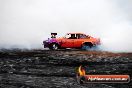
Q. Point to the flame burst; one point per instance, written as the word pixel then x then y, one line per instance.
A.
pixel 81 71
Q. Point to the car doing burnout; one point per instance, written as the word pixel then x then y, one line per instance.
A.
pixel 71 40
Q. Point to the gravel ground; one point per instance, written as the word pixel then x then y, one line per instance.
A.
pixel 57 69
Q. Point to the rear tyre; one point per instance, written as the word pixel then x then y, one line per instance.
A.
pixel 86 46
pixel 53 46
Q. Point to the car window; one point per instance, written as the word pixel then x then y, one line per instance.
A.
pixel 67 36
pixel 78 36
pixel 82 36
pixel 70 36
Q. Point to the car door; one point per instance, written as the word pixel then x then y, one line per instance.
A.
pixel 68 42
pixel 80 39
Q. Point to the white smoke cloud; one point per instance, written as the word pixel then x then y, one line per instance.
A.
pixel 25 23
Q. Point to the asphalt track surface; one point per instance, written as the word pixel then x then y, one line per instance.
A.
pixel 57 69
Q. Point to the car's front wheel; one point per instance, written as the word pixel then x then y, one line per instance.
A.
pixel 53 46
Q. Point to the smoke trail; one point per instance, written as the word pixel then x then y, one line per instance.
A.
pixel 26 23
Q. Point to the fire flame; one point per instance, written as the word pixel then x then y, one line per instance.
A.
pixel 81 71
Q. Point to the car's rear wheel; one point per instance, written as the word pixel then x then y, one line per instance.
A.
pixel 53 46
pixel 86 46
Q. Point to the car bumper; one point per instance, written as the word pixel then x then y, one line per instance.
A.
pixel 46 44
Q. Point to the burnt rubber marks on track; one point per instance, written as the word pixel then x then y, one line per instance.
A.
pixel 48 69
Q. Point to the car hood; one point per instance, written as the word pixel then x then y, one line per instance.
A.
pixel 53 40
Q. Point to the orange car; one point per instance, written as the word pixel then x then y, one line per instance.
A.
pixel 71 40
